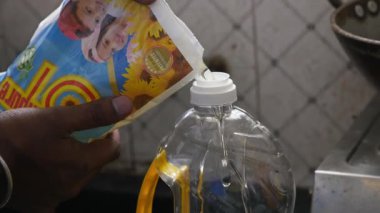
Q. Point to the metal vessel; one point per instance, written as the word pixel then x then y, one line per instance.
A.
pixel 348 180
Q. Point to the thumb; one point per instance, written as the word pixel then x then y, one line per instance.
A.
pixel 95 114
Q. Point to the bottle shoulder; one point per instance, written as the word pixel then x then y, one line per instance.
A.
pixel 234 124
pixel 235 117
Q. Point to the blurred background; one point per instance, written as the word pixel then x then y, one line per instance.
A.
pixel 290 72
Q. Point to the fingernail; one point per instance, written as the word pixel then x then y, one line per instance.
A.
pixel 122 105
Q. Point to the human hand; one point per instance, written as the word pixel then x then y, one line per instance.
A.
pixel 48 166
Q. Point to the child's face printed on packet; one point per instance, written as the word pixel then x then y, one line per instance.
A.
pixel 112 38
pixel 90 12
pixel 80 17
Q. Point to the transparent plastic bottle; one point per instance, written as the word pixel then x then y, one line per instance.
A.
pixel 219 158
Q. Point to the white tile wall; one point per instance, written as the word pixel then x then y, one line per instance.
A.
pixel 345 99
pixel 245 75
pixel 324 32
pixel 207 22
pixel 307 92
pixel 280 99
pixel 3 52
pixel 264 61
pixel 312 64
pixel 158 126
pixel 178 5
pixel 18 20
pixel 248 99
pixel 236 10
pixel 301 169
pixel 311 132
pixel 247 26
pixel 234 47
pixel 14 25
pixel 310 10
pixel 278 27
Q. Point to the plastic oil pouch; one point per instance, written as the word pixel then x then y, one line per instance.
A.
pixel 89 49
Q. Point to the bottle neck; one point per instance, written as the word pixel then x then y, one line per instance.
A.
pixel 214 110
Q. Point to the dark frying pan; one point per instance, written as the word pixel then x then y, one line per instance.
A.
pixel 357 27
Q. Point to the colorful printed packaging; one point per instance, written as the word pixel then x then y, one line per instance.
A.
pixel 89 49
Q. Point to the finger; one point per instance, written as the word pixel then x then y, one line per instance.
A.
pixel 115 135
pixel 100 152
pixel 76 185
pixel 95 114
pixel 80 184
pixel 145 1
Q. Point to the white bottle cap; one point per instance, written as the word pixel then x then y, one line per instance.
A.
pixel 213 89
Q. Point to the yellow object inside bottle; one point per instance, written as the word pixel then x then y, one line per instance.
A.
pixel 160 165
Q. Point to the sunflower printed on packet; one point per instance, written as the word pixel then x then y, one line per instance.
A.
pixel 89 49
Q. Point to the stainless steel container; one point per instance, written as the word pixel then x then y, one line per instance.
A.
pixel 348 180
pixel 356 25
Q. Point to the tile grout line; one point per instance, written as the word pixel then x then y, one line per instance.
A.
pixel 321 91
pixel 33 10
pixel 244 33
pixel 284 52
pixel 295 116
pixel 295 151
pixel 332 121
pixel 283 140
pixel 330 46
pixel 296 12
pixel 297 38
pixel 231 21
pixel 315 22
pixel 298 113
pixel 327 115
pixel 258 3
pixel 323 38
pixel 294 82
pixel 266 71
pixel 227 15
pixel 256 59
pixel 243 18
pixel 307 105
pixel 184 7
pixel 224 38
pixel 329 118
pixel 289 145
